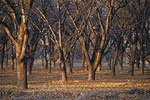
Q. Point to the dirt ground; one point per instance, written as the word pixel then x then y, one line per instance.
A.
pixel 48 86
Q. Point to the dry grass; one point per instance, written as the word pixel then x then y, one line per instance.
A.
pixel 41 80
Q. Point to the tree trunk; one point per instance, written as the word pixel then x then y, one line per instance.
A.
pixel 15 63
pixel 69 68
pixel 138 62
pixel 2 57
pixel 22 74
pixel 63 65
pixel 30 65
pixel 42 59
pixel 114 63
pixel 86 67
pixel 50 63
pixel 21 69
pixel 132 60
pixel 6 56
pixel 99 68
pixel 12 57
pixel 142 65
pixel 53 59
pixel 109 64
pixel 121 61
pixel 53 62
pixel 83 57
pixel 91 73
pixel 64 74
pixel 12 63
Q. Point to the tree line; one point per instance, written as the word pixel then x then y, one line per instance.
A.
pixel 94 30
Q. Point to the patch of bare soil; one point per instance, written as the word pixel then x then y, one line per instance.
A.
pixel 48 86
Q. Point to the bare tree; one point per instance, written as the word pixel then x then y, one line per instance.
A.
pixel 18 12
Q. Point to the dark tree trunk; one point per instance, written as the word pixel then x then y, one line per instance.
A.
pixel 12 57
pixel 43 58
pixel 138 62
pixel 62 65
pixel 6 56
pixel 132 60
pixel 114 63
pixel 2 57
pixel 109 64
pixel 121 61
pixel 142 65
pixel 30 65
pixel 50 63
pixel 53 59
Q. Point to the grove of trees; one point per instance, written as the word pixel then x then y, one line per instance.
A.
pixel 61 30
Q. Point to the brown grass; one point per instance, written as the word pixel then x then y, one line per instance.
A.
pixel 78 80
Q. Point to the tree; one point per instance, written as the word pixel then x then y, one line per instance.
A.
pixel 19 18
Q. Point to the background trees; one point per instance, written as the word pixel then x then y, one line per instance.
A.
pixel 62 29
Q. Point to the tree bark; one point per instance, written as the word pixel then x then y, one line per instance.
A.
pixel 12 57
pixel 132 60
pixel 142 65
pixel 91 75
pixel 69 68
pixel 109 64
pixel 21 74
pixel 114 63
pixel 121 60
pixel 63 65
pixel 30 65
pixel 50 63
pixel 6 56
pixel 2 57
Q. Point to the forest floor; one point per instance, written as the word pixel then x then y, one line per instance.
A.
pixel 48 86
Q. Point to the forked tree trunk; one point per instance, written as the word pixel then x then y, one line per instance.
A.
pixel 21 57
